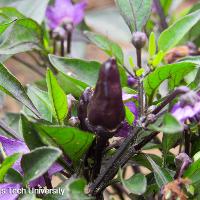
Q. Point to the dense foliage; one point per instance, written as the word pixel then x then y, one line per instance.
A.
pixel 87 122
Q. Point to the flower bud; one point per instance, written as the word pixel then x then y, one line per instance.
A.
pixel 182 162
pixel 106 107
pixel 74 121
pixel 132 82
pixel 82 107
pixel 139 39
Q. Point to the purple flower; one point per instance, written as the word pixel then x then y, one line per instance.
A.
pixel 11 146
pixel 6 191
pixel 132 82
pixel 188 108
pixel 124 130
pixel 64 12
pixel 126 97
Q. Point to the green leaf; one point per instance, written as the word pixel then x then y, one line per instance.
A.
pixel 196 156
pixel 77 189
pixel 30 136
pixel 36 11
pixel 140 72
pixel 130 117
pixel 136 184
pixel 191 59
pixel 82 70
pixel 12 121
pixel 7 164
pixel 172 35
pixel 170 125
pixel 71 85
pixel 11 13
pixel 27 196
pixel 22 35
pixel 13 176
pixel 192 172
pixel 135 12
pixel 168 142
pixel 111 48
pixel 38 161
pixel 157 59
pixel 73 189
pixel 152 44
pixel 141 160
pixel 41 101
pixel 193 34
pixel 73 141
pixel 84 73
pixel 5 24
pixel 166 4
pixel 173 72
pixel 162 176
pixel 57 97
pixel 11 86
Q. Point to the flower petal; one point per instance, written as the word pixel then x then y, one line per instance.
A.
pixel 7 191
pixel 11 146
pixel 79 12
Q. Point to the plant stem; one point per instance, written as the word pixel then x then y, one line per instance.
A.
pixel 140 84
pixel 99 149
pixel 161 14
pixel 168 99
pixel 69 41
pixel 128 71
pixel 124 153
pixel 47 181
pixel 29 65
pixel 187 142
pixel 114 163
pixel 62 47
pixel 54 46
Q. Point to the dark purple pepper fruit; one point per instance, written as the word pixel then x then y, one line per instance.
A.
pixel 106 107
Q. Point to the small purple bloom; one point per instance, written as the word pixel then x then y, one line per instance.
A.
pixel 6 189
pixel 182 162
pixel 187 108
pixel 127 97
pixel 11 146
pixel 64 12
pixel 132 82
pixel 124 130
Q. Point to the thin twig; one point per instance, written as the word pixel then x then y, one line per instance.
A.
pixel 69 41
pixel 62 47
pixel 54 46
pixel 161 14
pixel 124 153
pixel 29 65
pixel 168 99
pixel 128 71
pixel 113 165
pixel 187 141
pixel 140 84
pixel 47 180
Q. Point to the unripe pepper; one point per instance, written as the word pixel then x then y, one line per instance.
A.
pixel 106 107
